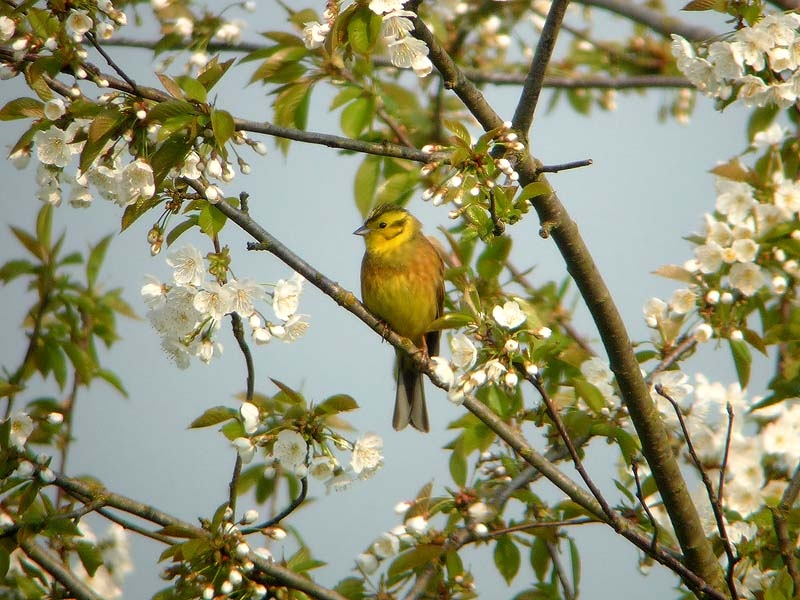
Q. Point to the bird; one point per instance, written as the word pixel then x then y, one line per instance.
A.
pixel 402 283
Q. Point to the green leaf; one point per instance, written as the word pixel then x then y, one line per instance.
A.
pixel 366 183
pixel 279 63
pixel 169 109
pixel 540 557
pixel 192 89
pixel 413 558
pixel 357 116
pixel 113 380
pixel 96 257
pixel 222 125
pixel 170 154
pixel 590 394
pixel 293 396
pixel 14 268
pixel 575 559
pixel 351 588
pixel 105 126
pixel 22 108
pixel 363 30
pixel 743 360
pixel 459 130
pixel 211 220
pixel 458 466
pixel 397 188
pixel 336 404
pixel 30 243
pixel 213 416
pixel 180 531
pixel 492 260
pixel 213 72
pixel 507 558
pixel 180 229
pixel 533 190
pixel 348 94
pixel 90 556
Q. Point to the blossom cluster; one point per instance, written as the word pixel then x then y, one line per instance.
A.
pixel 405 51
pixel 297 454
pixel 188 312
pixel 761 448
pixel 757 65
pixel 748 248
pixel 496 367
pixel 232 576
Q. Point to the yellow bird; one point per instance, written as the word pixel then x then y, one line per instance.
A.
pixel 402 283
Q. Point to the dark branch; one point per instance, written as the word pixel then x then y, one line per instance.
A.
pixel 529 98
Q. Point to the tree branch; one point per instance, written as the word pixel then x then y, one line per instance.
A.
pixel 529 98
pixel 53 565
pixel 657 21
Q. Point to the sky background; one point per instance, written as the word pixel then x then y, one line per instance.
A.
pixel 649 186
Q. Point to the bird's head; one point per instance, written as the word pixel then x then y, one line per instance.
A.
pixel 387 227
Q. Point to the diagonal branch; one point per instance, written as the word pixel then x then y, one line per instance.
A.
pixel 556 223
pixel 51 563
pixel 523 115
pixel 655 20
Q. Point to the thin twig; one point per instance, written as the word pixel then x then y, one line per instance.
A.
pixel 136 528
pixel 685 345
pixel 552 550
pixel 641 499
pixel 529 98
pixel 657 21
pixel 117 69
pixel 574 81
pixel 53 565
pixel 780 516
pixel 238 334
pixel 612 516
pixel 576 164
pixel 714 499
pixel 285 512
pixel 723 471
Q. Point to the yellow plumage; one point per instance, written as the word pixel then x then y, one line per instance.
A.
pixel 402 283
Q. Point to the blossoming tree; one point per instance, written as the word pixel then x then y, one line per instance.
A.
pixel 534 392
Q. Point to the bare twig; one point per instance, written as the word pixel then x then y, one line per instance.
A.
pixel 780 516
pixel 612 517
pixel 714 499
pixel 643 502
pixel 657 21
pixel 529 98
pixel 576 164
pixel 117 69
pixel 285 512
pixel 561 573
pixel 684 346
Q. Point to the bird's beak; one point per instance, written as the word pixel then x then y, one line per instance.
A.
pixel 363 230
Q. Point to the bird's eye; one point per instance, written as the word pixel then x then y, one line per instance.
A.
pixel 382 225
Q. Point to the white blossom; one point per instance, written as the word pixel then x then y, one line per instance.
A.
pixel 290 449
pixel 509 315
pixel 367 457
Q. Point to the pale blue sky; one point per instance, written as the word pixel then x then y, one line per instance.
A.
pixel 649 186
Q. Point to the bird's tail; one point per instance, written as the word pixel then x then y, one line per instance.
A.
pixel 409 403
